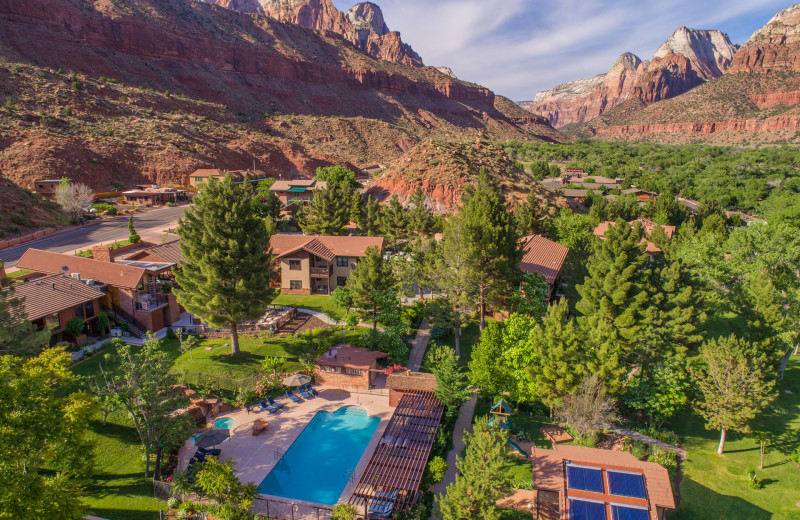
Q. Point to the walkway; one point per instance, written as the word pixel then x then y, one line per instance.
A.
pixel 463 423
pixel 419 345
pixel 330 321
pixel 680 452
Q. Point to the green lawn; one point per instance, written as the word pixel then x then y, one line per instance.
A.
pixel 320 303
pixel 715 487
pixel 19 273
pixel 470 335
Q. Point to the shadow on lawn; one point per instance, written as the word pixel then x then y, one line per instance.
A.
pixel 122 433
pixel 124 514
pixel 699 501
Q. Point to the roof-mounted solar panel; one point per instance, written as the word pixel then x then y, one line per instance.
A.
pixel 628 513
pixel 625 484
pixel 584 479
pixel 586 510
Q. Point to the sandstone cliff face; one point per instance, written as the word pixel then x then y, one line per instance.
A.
pixel 688 58
pixel 774 47
pixel 363 24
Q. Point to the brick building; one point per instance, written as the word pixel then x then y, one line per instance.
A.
pixel 346 366
pixel 199 176
pixel 133 289
pixel 401 383
pixel 46 188
pixel 296 191
pixel 153 196
pixel 317 264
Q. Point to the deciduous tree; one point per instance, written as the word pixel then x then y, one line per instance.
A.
pixel 17 334
pixel 227 273
pixel 589 409
pixel 73 197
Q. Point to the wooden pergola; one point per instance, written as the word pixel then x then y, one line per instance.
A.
pixel 393 473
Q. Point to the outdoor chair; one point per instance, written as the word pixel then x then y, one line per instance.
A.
pixel 264 406
pixel 293 397
pixel 302 391
pixel 382 508
pixel 209 451
pixel 311 390
pixel 274 403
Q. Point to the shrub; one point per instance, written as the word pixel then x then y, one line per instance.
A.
pixel 663 457
pixel 344 512
pixel 639 450
pixel 75 327
pixel 170 333
pixel 752 480
pixel 437 467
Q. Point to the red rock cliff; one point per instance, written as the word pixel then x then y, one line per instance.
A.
pixel 774 47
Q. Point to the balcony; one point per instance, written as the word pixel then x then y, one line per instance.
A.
pixel 323 272
pixel 151 302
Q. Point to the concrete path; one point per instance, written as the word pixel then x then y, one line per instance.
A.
pixel 463 423
pixel 680 452
pixel 419 345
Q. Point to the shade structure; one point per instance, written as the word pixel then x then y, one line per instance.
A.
pixel 211 437
pixel 296 380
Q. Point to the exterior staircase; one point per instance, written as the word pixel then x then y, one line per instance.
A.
pixel 121 316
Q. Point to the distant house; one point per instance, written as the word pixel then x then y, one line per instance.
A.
pixel 46 188
pixel 574 171
pixel 647 226
pixel 544 257
pixel 573 482
pixel 152 196
pixel 642 195
pixel 50 302
pixel 169 252
pixel 346 366
pixel 297 191
pixel 406 381
pixel 133 289
pixel 317 264
pixel 199 176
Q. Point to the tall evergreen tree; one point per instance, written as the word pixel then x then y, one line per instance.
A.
pixel 369 282
pixel 616 288
pixel 329 211
pixel 482 478
pixel 393 221
pixel 369 220
pixel 227 274
pixel 133 236
pixel 735 385
pixel 491 233
pixel 531 216
pixel 451 381
pixel 420 217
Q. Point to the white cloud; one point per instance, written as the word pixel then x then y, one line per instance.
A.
pixel 517 47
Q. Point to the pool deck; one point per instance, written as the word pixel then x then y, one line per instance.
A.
pixel 254 456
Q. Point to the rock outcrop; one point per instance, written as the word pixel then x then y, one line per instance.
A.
pixel 363 24
pixel 774 47
pixel 688 58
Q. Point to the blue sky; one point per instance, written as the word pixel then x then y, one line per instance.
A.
pixel 517 47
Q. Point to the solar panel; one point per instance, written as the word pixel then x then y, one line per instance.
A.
pixel 585 510
pixel 625 484
pixel 629 513
pixel 585 479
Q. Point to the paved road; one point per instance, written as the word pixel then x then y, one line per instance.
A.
pixel 94 232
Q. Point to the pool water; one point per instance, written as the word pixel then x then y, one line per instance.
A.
pixel 225 422
pixel 318 465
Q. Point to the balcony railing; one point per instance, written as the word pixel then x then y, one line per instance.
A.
pixel 320 271
pixel 148 302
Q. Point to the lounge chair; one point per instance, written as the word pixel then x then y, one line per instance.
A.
pixel 302 391
pixel 274 403
pixel 293 397
pixel 264 406
pixel 311 390
pixel 382 508
pixel 209 451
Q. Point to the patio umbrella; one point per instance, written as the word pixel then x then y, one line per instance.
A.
pixel 296 380
pixel 211 437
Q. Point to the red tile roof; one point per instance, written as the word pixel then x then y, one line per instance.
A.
pixel 53 293
pixel 350 357
pixel 542 256
pixel 286 244
pixel 106 272
pixel 169 252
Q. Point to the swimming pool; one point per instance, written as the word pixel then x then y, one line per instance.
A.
pixel 317 466
pixel 224 422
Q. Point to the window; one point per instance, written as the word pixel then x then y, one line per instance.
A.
pixel 342 261
pixel 341 281
pixel 353 371
pixel 52 322
pixel 79 311
pixel 295 284
pixel 326 368
pixel 90 309
pixel 294 265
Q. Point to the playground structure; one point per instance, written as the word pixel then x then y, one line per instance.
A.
pixel 501 416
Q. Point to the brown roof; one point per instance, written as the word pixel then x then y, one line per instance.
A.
pixel 548 471
pixel 308 184
pixel 109 273
pixel 323 246
pixel 408 380
pixel 168 252
pixel 350 357
pixel 542 256
pixel 630 191
pixel 208 172
pixel 647 225
pixel 53 293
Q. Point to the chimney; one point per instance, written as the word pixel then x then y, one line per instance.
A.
pixel 103 253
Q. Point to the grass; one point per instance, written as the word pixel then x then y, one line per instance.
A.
pixel 19 273
pixel 315 302
pixel 470 335
pixel 715 486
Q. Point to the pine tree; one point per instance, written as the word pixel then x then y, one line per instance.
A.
pixel 451 381
pixel 133 236
pixel 369 221
pixel 482 478
pixel 368 281
pixel 531 216
pixel 17 334
pixel 491 233
pixel 227 274
pixel 616 288
pixel 329 211
pixel 393 221
pixel 420 218
pixel 734 383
